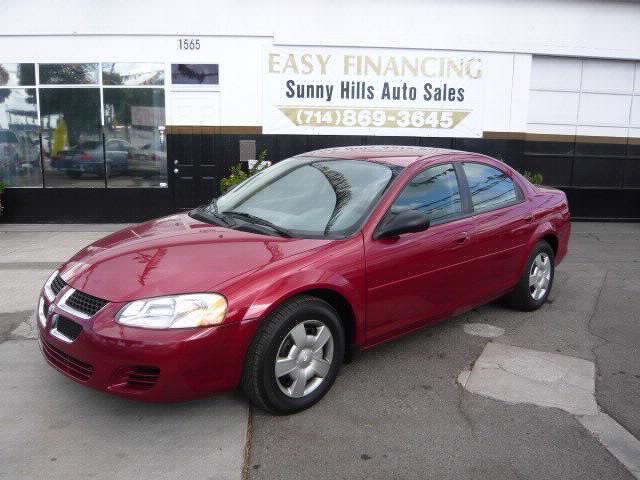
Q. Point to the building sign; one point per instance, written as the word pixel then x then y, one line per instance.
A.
pixel 352 91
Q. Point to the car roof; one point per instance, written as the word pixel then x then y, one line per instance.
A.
pixel 394 154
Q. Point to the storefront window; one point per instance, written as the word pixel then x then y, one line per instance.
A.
pixel 72 146
pixel 194 74
pixel 132 74
pixel 19 141
pixel 68 73
pixel 134 126
pixel 76 140
pixel 17 74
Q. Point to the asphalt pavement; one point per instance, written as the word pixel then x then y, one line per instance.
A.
pixel 53 428
pixel 398 411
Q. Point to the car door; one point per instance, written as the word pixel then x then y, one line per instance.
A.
pixel 417 278
pixel 117 154
pixel 502 227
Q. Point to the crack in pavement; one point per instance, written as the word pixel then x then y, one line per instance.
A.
pixel 464 414
pixel 525 382
pixel 19 322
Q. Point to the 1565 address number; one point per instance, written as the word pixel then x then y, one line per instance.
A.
pixel 188 44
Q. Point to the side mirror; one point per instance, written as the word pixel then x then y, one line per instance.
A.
pixel 406 221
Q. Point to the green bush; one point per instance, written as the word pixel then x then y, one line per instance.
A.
pixel 535 178
pixel 239 175
pixel 3 187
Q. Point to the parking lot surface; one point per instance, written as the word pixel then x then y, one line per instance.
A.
pixel 54 428
pixel 398 411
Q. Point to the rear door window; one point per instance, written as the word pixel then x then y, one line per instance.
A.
pixel 489 187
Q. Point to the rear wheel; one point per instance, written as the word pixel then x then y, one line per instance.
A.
pixel 295 357
pixel 533 289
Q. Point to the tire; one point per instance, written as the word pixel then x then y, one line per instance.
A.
pixel 275 342
pixel 529 297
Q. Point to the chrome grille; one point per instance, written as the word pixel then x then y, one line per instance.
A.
pixel 57 284
pixel 85 303
pixel 67 327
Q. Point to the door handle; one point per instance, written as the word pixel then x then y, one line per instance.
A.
pixel 529 218
pixel 462 238
pixel 175 170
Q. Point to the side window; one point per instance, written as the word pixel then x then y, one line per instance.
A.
pixel 434 192
pixel 490 188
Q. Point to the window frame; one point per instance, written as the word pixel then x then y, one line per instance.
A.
pixel 520 197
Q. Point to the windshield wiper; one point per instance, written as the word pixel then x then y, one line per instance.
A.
pixel 260 221
pixel 204 213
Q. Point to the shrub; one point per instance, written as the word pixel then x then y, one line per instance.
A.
pixel 239 175
pixel 535 178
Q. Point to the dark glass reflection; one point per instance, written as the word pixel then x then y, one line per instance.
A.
pixel 194 74
pixel 133 74
pixel 68 73
pixel 490 188
pixel 71 139
pixel 17 74
pixel 433 192
pixel 134 121
pixel 19 141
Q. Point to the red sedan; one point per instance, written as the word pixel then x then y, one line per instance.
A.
pixel 270 286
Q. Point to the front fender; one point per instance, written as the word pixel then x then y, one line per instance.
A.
pixel 276 293
pixel 340 271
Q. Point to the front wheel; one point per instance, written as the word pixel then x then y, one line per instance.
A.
pixel 533 289
pixel 295 357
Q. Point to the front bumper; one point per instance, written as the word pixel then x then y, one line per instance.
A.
pixel 149 365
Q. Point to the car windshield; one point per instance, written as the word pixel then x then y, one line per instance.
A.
pixel 306 197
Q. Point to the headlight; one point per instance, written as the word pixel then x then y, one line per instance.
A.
pixel 47 286
pixel 177 311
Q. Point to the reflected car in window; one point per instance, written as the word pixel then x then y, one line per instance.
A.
pixel 11 153
pixel 271 286
pixel 87 157
pixel 148 160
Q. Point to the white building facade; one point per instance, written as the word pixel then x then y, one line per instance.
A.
pixel 121 111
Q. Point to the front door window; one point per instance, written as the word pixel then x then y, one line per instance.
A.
pixel 434 192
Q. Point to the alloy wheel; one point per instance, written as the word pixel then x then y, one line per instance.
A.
pixel 304 358
pixel 540 276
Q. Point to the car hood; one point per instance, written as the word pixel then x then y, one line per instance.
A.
pixel 173 255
